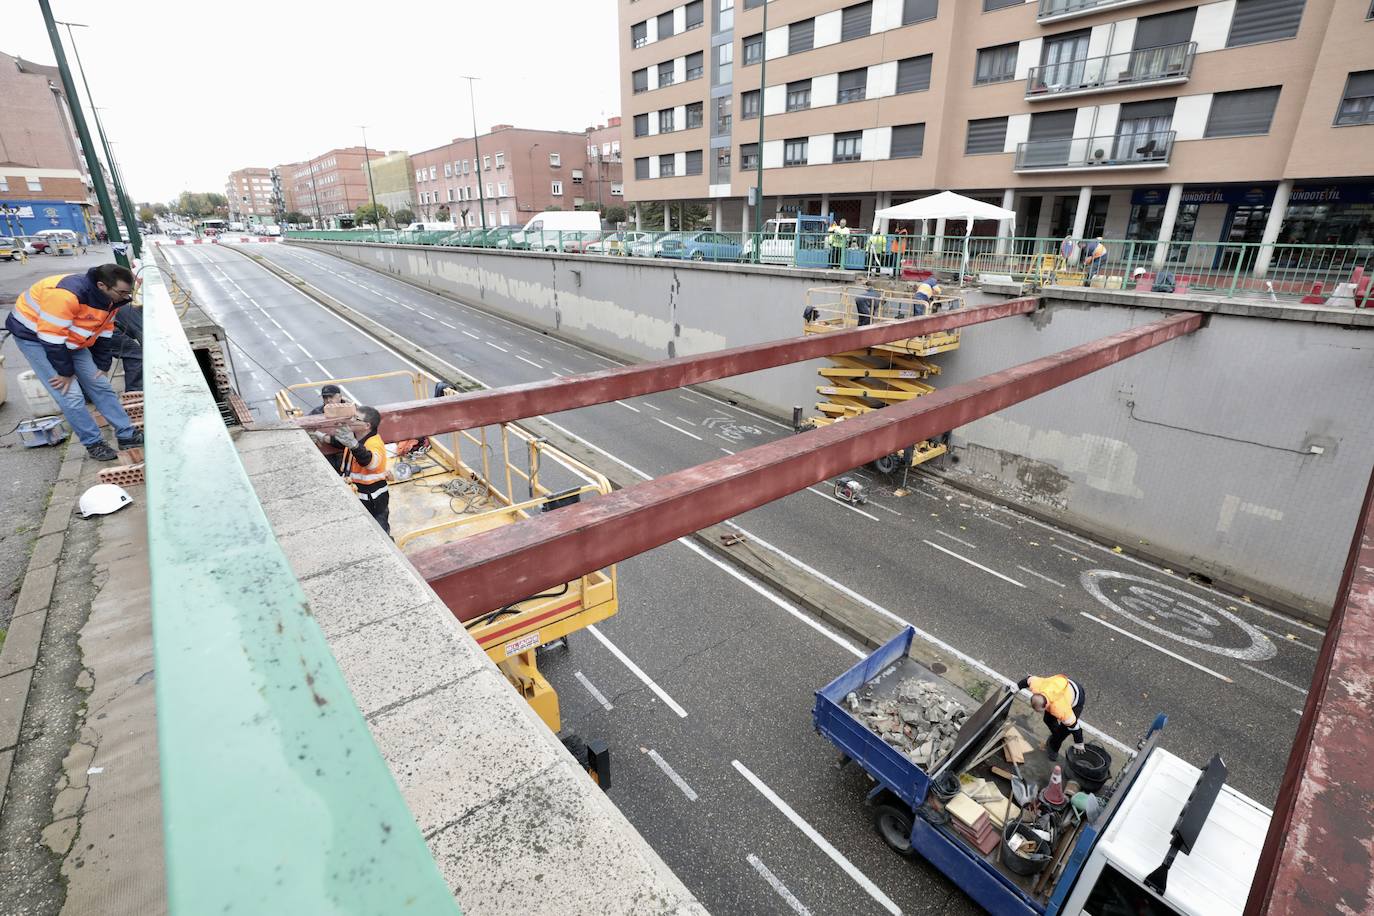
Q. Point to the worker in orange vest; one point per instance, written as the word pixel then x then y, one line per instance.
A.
pixel 363 462
pixel 1097 257
pixel 1061 700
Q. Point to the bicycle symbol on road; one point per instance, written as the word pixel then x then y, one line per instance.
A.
pixel 727 427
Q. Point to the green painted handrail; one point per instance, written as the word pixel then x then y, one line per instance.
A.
pixel 274 797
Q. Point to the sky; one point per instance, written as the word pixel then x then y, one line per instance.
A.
pixel 191 90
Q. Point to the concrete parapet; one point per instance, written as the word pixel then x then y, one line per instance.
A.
pixel 495 794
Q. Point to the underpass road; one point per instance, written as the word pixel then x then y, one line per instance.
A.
pixel 1016 594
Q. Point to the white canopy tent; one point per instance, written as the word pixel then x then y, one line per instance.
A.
pixel 947 205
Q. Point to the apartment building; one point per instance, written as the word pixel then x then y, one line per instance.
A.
pixel 1221 121
pixel 329 187
pixel 394 182
pixel 517 172
pixel 252 195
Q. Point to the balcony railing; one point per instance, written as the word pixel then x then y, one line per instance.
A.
pixel 1149 149
pixel 1055 10
pixel 1149 66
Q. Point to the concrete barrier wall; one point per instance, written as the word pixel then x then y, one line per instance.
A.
pixel 1240 453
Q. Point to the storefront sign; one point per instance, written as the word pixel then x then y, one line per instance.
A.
pixel 1351 192
pixel 21 212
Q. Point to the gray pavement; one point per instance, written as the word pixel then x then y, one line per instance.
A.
pixel 1004 589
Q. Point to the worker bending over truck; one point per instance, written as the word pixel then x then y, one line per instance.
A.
pixel 1061 699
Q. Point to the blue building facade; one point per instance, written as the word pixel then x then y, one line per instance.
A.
pixel 28 217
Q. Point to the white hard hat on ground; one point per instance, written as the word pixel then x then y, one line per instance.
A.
pixel 102 499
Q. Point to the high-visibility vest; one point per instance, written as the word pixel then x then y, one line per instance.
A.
pixel 926 292
pixel 877 243
pixel 57 316
pixel 1099 252
pixel 368 477
pixel 1061 694
pixel 835 236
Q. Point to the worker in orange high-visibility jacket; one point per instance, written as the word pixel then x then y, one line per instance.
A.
pixel 363 462
pixel 926 294
pixel 1061 699
pixel 65 325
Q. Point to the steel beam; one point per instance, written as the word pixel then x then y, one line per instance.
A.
pixel 495 568
pixel 413 419
pixel 1318 857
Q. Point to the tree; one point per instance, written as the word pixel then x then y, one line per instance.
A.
pixel 146 215
pixel 160 210
pixel 198 205
pixel 442 214
pixel 614 215
pixel 367 215
pixel 403 217
pixel 297 218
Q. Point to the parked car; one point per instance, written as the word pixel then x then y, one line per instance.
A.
pixel 541 232
pixel 495 237
pixel 781 238
pixel 700 246
pixel 10 248
pixel 59 241
pixel 648 247
pixel 616 242
pixel 578 242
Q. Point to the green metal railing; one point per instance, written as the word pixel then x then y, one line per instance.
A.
pixel 274 797
pixel 1245 269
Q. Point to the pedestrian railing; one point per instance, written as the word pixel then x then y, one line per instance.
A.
pixel 274 796
pixel 1279 271
pixel 1142 150
pixel 1050 10
pixel 1149 66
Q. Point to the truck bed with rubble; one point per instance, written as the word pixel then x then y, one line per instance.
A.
pixel 936 757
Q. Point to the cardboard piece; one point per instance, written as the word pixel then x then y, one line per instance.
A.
pixel 964 809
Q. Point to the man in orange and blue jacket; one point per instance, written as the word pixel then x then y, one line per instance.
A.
pixel 1061 699
pixel 65 325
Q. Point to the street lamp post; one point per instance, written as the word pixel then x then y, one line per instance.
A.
pixel 758 188
pixel 529 160
pixel 481 198
pixel 367 163
pixel 315 193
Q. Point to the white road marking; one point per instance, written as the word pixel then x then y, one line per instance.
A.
pixel 726 450
pixel 557 373
pixel 930 496
pixel 679 429
pixel 946 534
pixel 568 371
pixel 1283 638
pixel 779 888
pixel 472 335
pixel 1276 680
pixel 777 599
pixel 638 672
pixel 993 521
pixel 628 406
pixel 651 406
pixel 451 327
pixel 672 774
pixel 814 836
pixel 591 688
pixel 723 438
pixel 877 505
pixel 424 314
pixel 723 403
pixel 959 556
pixel 685 398
pixel 1298 713
pixel 530 361
pixel 1142 640
pixel 684 420
pixel 842 503
pixel 1037 575
pixel 495 346
pixel 1070 552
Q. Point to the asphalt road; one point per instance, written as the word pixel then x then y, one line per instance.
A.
pixel 1015 595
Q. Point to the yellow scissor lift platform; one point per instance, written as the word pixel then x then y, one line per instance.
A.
pixel 862 380
pixel 459 484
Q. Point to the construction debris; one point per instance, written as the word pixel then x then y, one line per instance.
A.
pixel 918 720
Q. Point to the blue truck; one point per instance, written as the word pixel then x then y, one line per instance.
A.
pixel 1168 838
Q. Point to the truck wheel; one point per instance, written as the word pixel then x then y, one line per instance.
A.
pixel 894 826
pixel 887 464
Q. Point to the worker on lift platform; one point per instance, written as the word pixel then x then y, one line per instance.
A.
pixel 1061 699
pixel 364 461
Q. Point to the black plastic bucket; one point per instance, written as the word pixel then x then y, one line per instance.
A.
pixel 1022 864
pixel 1091 765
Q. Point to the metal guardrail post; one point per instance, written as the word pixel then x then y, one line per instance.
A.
pixel 274 796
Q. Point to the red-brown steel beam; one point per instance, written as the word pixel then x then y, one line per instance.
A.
pixel 413 419
pixel 1318 857
pixel 495 568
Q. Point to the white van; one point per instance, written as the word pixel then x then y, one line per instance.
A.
pixel 542 232
pixel 435 226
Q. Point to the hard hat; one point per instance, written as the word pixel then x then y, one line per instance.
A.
pixel 102 499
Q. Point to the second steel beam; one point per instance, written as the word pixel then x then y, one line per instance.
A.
pixel 496 568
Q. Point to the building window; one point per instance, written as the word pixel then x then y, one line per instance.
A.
pixel 990 5
pixel 725 19
pixel 450 194
pixel 749 156
pixel 696 14
pixel 985 135
pixel 641 125
pixel 1064 58
pixel 913 73
pixel 665 25
pixel 753 49
pixel 799 95
pixel 856 21
pixel 556 188
pixel 490 190
pixel 848 146
pixel 725 58
pixel 749 105
pixel 433 172
pixel 724 106
pixel 665 121
pixel 641 168
pixel 794 151
pixel 505 217
pixel 667 165
pixel 639 34
pixel 696 65
pixel 801 36
pixel 1357 105
pixel 617 189
pixel 996 64
pixel 501 189
pixel 448 170
pixel 576 176
pixel 1264 20
pixel 919 11
pixel 908 140
pixel 466 166
pixel 695 117
pixel 752 4
pixel 34 184
pixel 1245 113
pixel 500 160
pixel 720 167
pixel 665 74
pixel 640 80
pixel 555 160
pixel 693 162
pixel 852 85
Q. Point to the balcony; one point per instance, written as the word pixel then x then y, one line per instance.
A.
pixel 1059 10
pixel 1162 66
pixel 1147 150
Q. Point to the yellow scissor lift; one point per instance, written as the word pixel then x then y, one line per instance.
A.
pixel 458 484
pixel 862 380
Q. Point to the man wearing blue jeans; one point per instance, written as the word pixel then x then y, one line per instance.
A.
pixel 64 326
